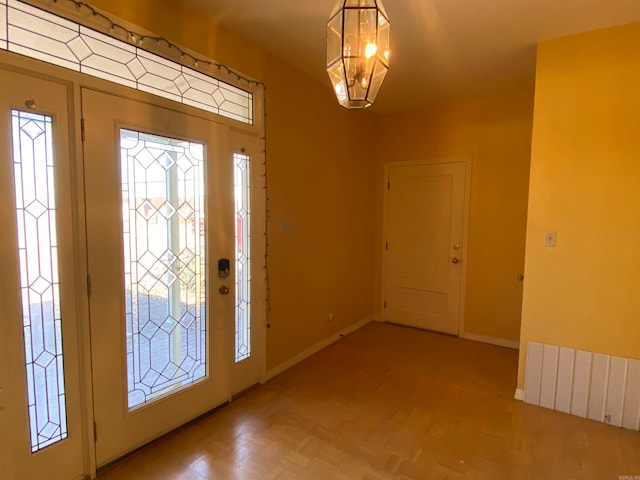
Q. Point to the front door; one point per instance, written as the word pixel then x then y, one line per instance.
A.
pixel 40 420
pixel 424 226
pixel 160 237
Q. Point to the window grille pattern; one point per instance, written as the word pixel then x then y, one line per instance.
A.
pixel 33 166
pixel 38 34
pixel 164 264
pixel 243 249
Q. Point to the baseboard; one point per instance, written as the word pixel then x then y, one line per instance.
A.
pixel 501 342
pixel 278 369
pixel 519 394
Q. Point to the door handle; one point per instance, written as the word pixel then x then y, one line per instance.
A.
pixel 223 290
pixel 455 260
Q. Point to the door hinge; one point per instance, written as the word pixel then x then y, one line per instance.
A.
pixel 385 304
pixel 88 286
pixel 95 432
pixel 386 246
pixel 388 185
pixel 82 129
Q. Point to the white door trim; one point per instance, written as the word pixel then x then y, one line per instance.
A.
pixel 465 228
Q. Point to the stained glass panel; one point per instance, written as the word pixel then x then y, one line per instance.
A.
pixel 42 35
pixel 164 264
pixel 33 166
pixel 243 254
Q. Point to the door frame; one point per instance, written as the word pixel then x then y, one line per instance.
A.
pixel 76 81
pixel 468 164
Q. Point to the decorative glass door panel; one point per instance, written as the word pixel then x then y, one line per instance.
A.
pixel 157 196
pixel 40 409
pixel 164 264
pixel 242 194
pixel 34 187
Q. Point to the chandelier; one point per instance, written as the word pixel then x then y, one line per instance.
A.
pixel 357 51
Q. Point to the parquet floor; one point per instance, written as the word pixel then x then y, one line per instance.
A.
pixel 389 402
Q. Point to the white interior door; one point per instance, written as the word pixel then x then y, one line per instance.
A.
pixel 424 261
pixel 40 409
pixel 159 200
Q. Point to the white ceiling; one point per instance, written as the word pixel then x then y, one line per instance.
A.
pixel 442 50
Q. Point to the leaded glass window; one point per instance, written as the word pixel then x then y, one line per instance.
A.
pixel 38 34
pixel 243 248
pixel 164 264
pixel 33 167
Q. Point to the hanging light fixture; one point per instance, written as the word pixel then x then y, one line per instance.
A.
pixel 357 51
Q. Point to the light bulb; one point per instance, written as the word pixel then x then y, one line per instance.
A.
pixel 370 50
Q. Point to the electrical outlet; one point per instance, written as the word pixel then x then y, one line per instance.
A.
pixel 331 317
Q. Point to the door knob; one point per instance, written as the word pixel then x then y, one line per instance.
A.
pixel 455 260
pixel 223 290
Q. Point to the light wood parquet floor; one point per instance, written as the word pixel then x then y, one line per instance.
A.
pixel 389 402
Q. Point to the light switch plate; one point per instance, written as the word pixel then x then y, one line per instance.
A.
pixel 550 238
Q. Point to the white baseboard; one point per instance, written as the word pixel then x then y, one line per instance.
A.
pixel 278 369
pixel 519 394
pixel 501 342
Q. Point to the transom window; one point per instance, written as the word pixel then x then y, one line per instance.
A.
pixel 44 36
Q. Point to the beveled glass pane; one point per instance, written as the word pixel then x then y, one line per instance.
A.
pixel 378 76
pixel 33 164
pixel 242 196
pixel 334 38
pixel 37 34
pixel 164 264
pixel 383 39
pixel 336 74
pixel 351 41
pixel 368 32
pixel 358 84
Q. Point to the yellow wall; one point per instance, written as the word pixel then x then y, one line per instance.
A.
pixel 321 188
pixel 320 200
pixel 585 184
pixel 496 135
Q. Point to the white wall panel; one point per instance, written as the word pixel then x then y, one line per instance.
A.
pixel 631 411
pixel 581 384
pixel 564 387
pixel 616 391
pixel 598 390
pixel 549 376
pixel 593 385
pixel 533 374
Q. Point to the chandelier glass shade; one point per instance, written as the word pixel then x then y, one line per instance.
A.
pixel 357 51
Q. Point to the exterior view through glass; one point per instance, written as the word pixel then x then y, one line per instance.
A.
pixel 164 264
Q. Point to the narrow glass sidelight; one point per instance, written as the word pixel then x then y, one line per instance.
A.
pixel 164 264
pixel 33 167
pixel 243 257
